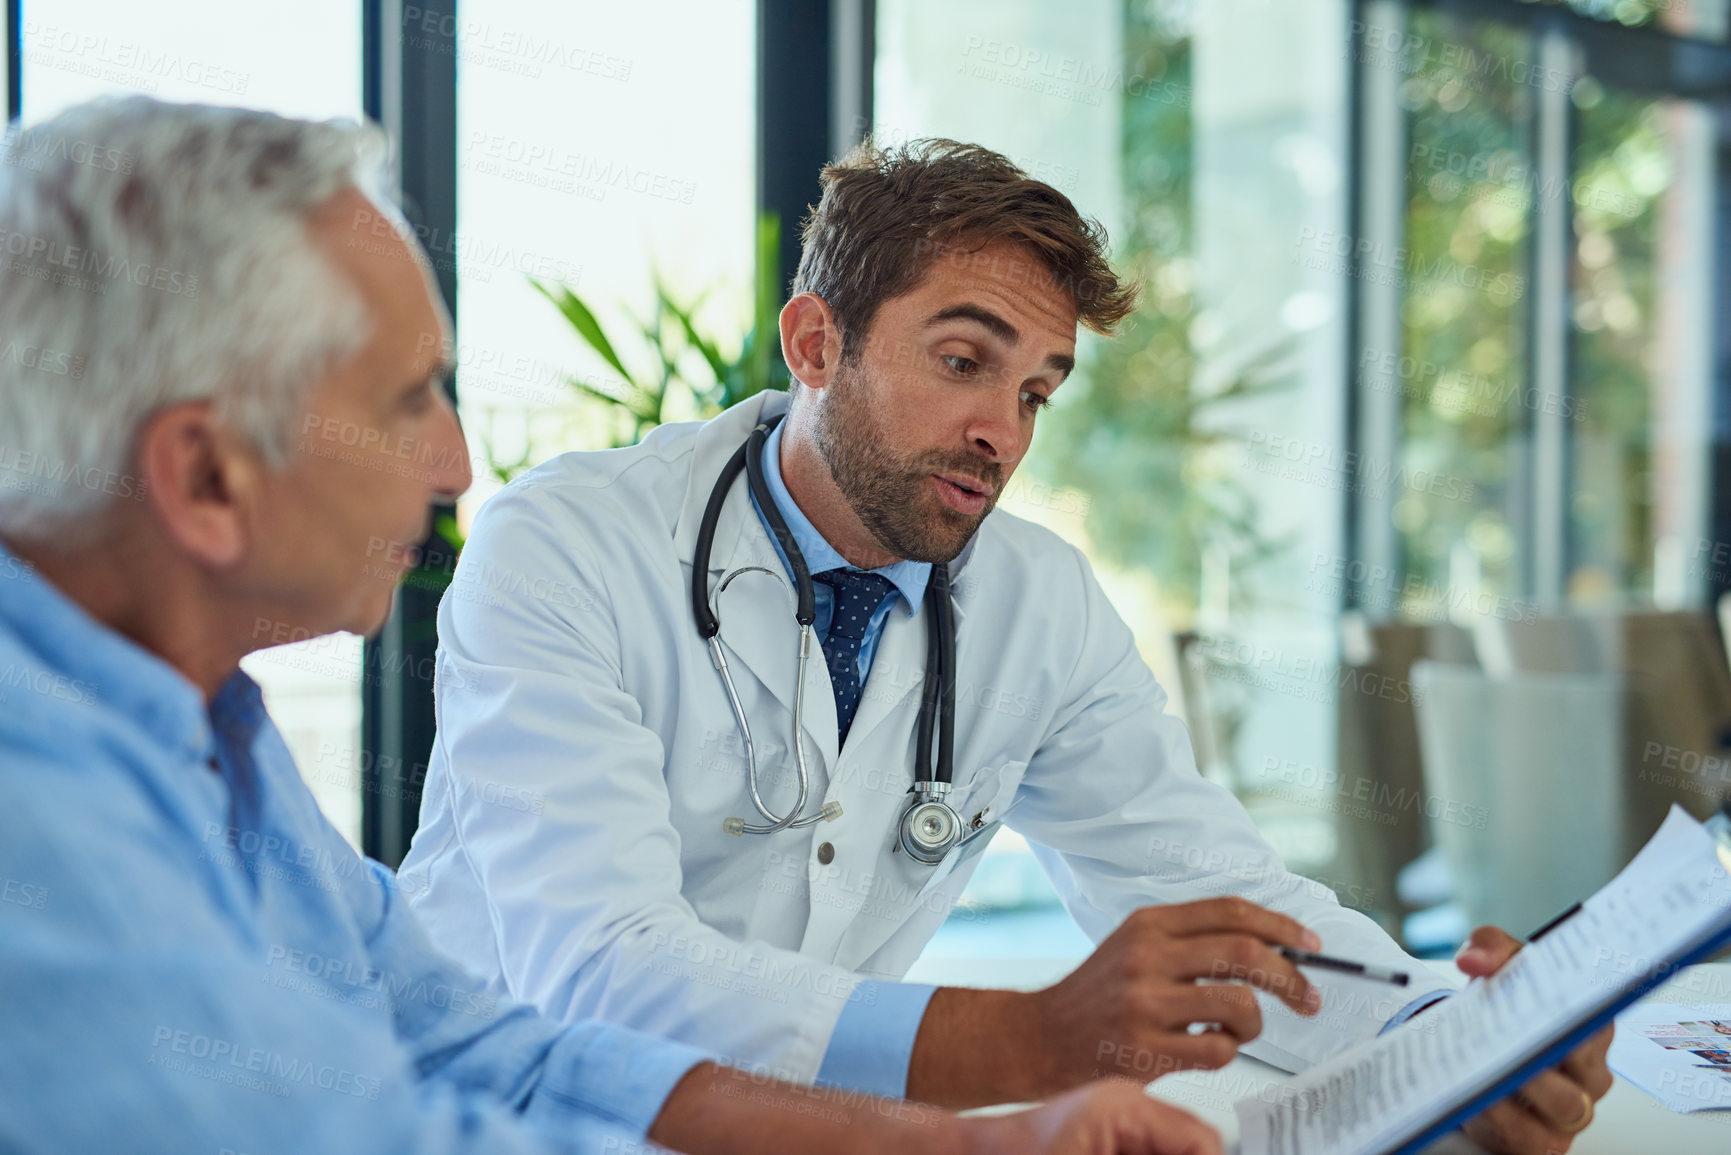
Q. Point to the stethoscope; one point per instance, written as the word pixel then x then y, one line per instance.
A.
pixel 930 827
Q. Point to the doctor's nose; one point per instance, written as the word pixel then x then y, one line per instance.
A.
pixel 995 430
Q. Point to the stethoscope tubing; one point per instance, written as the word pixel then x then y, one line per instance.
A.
pixel 937 695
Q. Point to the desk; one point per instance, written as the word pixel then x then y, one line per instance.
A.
pixel 1629 1121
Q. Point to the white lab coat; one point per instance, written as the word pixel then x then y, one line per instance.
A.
pixel 571 847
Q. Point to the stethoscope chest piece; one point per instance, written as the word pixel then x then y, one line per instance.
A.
pixel 930 827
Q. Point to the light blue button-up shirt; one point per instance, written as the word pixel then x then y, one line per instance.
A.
pixel 873 1040
pixel 193 960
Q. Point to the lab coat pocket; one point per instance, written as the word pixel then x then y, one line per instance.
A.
pixel 981 803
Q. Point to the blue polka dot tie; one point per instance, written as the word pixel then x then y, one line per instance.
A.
pixel 857 597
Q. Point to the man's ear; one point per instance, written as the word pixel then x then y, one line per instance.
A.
pixel 810 339
pixel 201 479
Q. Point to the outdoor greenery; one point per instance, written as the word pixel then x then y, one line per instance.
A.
pixel 1467 302
pixel 692 376
pixel 1151 449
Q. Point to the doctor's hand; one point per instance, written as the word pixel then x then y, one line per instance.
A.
pixel 1111 1117
pixel 1547 1113
pixel 1125 1011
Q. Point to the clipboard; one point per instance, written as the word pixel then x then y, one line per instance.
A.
pixel 1555 1052
pixel 1355 1102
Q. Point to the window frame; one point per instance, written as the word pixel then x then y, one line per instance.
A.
pixel 1633 59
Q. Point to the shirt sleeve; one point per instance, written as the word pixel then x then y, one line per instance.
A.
pixel 140 971
pixel 873 1041
pixel 563 1080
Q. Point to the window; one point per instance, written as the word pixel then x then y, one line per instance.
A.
pixel 1426 327
pixel 601 147
pixel 1554 366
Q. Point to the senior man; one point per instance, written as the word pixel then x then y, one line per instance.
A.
pixel 191 958
pixel 723 846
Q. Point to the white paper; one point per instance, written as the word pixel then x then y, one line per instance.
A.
pixel 1679 1053
pixel 1674 896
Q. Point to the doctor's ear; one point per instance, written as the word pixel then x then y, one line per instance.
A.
pixel 810 339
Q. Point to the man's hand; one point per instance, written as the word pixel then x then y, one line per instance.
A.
pixel 1112 1117
pixel 1125 1011
pixel 1547 1113
pixel 717 1110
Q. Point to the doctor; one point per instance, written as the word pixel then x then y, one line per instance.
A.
pixel 599 836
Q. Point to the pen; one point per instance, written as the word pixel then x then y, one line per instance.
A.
pixel 1305 958
pixel 1554 923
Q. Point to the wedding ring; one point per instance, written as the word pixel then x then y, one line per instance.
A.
pixel 1580 1124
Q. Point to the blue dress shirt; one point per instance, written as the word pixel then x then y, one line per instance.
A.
pixel 193 959
pixel 873 1040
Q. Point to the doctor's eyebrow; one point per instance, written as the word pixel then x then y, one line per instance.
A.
pixel 997 327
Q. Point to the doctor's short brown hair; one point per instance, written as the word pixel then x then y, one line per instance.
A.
pixel 889 214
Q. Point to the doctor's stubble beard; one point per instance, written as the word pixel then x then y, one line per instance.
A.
pixel 889 492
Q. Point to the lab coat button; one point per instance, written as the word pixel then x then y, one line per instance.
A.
pixel 825 853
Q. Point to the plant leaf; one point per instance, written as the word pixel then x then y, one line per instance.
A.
pixel 583 320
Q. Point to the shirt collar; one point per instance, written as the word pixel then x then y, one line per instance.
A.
pixel 909 577
pixel 102 666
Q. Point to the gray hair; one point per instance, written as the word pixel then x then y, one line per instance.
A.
pixel 155 253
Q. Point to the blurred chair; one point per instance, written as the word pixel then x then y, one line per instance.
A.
pixel 1199 711
pixel 1675 736
pixel 1524 786
pixel 1379 753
